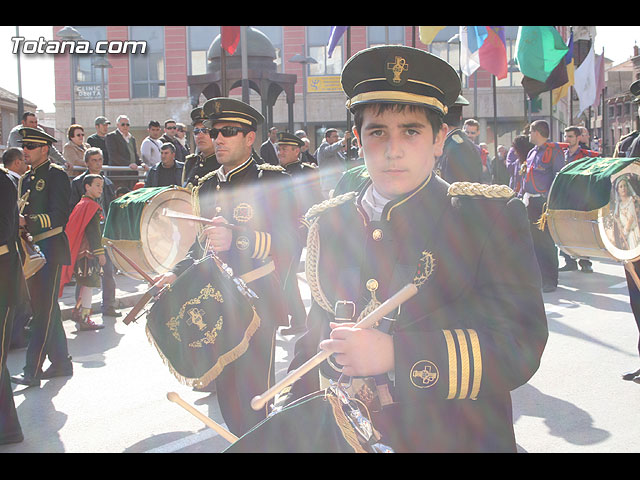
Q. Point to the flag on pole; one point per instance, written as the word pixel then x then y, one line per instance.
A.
pixel 585 81
pixel 558 77
pixel 427 34
pixel 493 52
pixel 562 91
pixel 471 39
pixel 599 72
pixel 334 38
pixel 229 38
pixel 538 51
pixel 485 47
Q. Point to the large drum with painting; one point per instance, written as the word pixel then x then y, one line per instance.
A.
pixel 137 226
pixel 593 209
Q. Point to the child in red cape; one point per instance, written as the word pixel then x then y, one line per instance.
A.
pixel 87 252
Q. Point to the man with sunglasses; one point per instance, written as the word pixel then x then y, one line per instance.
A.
pixel 45 217
pixel 258 248
pixel 170 136
pixel 198 164
pixel 123 152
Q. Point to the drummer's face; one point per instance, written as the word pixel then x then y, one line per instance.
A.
pixel 235 150
pixel 204 142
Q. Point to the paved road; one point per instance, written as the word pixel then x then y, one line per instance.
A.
pixel 116 400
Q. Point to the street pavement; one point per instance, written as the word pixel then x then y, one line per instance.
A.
pixel 116 400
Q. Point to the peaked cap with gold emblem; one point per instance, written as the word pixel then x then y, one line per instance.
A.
pixel 286 138
pixel 34 135
pixel 197 115
pixel 222 109
pixel 399 74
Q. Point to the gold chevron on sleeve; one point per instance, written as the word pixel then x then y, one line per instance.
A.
pixel 453 364
pixel 256 245
pixel 464 355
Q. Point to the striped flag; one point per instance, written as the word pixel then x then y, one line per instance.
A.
pixel 334 38
pixel 427 34
pixel 562 91
pixel 483 46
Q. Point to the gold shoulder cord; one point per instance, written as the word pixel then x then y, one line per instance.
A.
pixel 195 204
pixel 313 247
pixel 471 189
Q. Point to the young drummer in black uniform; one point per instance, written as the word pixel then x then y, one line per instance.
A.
pixel 437 375
pixel 251 196
pixel 46 216
pixel 13 292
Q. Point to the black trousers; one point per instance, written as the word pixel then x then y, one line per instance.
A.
pixel 634 296
pixel 9 424
pixel 543 244
pixel 47 336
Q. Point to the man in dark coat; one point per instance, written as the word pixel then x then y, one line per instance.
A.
pixel 45 216
pixel 258 249
pixel 435 375
pixel 123 152
pixel 268 150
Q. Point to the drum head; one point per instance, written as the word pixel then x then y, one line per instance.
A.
pixel 619 221
pixel 166 241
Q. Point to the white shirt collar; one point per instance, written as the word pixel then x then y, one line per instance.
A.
pixel 373 203
pixel 223 177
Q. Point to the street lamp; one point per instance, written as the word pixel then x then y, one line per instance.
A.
pixel 70 33
pixel 298 58
pixel 101 62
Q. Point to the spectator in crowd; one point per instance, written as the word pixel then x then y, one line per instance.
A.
pixel 123 152
pixel 269 149
pixel 516 161
pixel 181 135
pixel 331 159
pixel 29 119
pixel 74 149
pixel 305 152
pixel 94 160
pixel 168 172
pixel 170 130
pixel 120 191
pixel 98 139
pixel 150 146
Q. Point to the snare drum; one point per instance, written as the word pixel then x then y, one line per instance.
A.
pixel 136 226
pixel 594 209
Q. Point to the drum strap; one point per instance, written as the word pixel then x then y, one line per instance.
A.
pixel 258 272
pixel 47 234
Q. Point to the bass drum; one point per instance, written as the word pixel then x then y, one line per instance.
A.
pixel 137 226
pixel 611 231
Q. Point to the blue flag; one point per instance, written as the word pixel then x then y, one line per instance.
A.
pixel 334 38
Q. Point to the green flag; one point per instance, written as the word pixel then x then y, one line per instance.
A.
pixel 538 51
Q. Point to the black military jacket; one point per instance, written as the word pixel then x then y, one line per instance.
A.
pixel 475 331
pixel 623 147
pixel 197 166
pixel 460 160
pixel 47 211
pixel 306 185
pixel 13 289
pixel 253 197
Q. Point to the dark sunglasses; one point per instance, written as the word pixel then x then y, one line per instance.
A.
pixel 227 131
pixel 32 146
pixel 124 124
pixel 197 131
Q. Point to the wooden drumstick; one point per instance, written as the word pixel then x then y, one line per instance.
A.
pixel 230 437
pixel 368 321
pixel 135 266
pixel 185 216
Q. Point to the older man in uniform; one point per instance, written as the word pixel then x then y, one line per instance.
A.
pixel 436 374
pixel 259 249
pixel 45 217
pixel 198 164
pixel 13 293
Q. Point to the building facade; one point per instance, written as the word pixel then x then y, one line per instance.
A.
pixel 154 85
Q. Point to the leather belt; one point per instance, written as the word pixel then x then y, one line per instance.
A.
pixel 258 272
pixel 47 234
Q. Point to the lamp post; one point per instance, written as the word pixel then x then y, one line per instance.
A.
pixel 70 33
pixel 298 58
pixel 101 62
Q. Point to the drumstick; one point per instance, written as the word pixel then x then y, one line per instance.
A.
pixel 368 321
pixel 185 216
pixel 144 275
pixel 230 437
